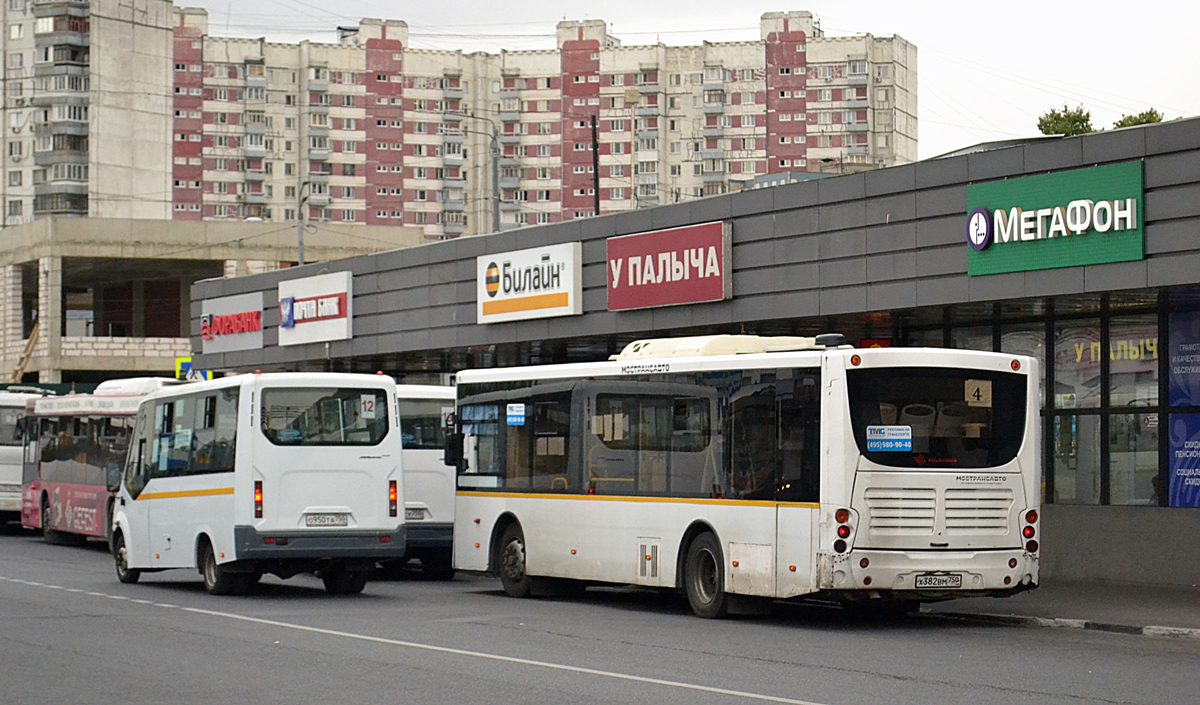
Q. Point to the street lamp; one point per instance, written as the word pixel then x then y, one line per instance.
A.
pixel 494 135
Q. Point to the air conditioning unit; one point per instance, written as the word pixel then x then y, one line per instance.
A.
pixel 20 101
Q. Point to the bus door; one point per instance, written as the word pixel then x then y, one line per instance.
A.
pixel 137 473
pixel 797 482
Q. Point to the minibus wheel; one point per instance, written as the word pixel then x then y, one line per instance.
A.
pixel 339 580
pixel 121 556
pixel 704 577
pixel 217 580
pixel 511 562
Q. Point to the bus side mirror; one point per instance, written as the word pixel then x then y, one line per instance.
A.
pixel 19 430
pixel 454 449
pixel 112 478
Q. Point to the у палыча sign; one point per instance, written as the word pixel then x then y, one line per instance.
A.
pixel 687 265
pixel 1066 219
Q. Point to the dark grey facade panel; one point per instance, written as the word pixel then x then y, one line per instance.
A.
pixel 800 221
pixel 752 228
pixel 997 287
pixel 1174 270
pixel 754 202
pixel 1053 282
pixel 1172 169
pixel 892 237
pixel 944 230
pixel 943 201
pixel 836 273
pixel 940 291
pixel 846 299
pixel 1115 146
pixel 935 173
pixel 754 254
pixel 892 266
pixel 901 179
pixel 884 210
pixel 671 216
pixel 1053 155
pixel 852 187
pixel 846 243
pixel 799 195
pixel 790 250
pixel 1168 236
pixel 998 164
pixel 704 210
pixel 1115 276
pixel 842 216
pixel 941 261
pixel 1172 136
pixel 1173 202
pixel 891 295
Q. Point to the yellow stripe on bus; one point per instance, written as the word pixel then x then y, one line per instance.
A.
pixel 664 500
pixel 525 303
pixel 186 493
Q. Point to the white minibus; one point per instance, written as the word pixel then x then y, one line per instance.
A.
pixel 279 473
pixel 12 411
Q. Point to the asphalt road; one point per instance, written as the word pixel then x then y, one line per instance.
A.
pixel 70 633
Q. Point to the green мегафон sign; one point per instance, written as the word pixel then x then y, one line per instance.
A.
pixel 1068 219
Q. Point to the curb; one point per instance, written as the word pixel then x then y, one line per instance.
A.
pixel 1026 621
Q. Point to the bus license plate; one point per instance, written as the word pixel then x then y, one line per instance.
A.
pixel 414 514
pixel 939 581
pixel 326 520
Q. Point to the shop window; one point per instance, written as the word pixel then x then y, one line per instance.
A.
pixel 1077 459
pixel 1077 365
pixel 978 338
pixel 1133 459
pixel 1133 365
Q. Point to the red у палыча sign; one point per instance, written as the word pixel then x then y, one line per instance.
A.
pixel 687 265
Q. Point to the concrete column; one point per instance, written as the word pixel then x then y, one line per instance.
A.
pixel 10 314
pixel 185 309
pixel 50 315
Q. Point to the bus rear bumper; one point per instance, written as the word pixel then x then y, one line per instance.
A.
pixel 429 536
pixel 934 575
pixel 249 544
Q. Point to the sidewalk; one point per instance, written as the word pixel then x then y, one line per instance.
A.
pixel 1131 609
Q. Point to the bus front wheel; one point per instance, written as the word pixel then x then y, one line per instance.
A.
pixel 125 574
pixel 512 562
pixel 704 577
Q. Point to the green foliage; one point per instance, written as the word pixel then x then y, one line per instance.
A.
pixel 1066 122
pixel 1143 118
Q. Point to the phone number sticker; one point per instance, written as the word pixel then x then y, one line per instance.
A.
pixel 889 439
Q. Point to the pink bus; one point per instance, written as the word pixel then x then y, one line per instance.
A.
pixel 71 444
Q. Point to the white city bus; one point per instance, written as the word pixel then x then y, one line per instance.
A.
pixel 263 473
pixel 740 467
pixel 12 411
pixel 428 481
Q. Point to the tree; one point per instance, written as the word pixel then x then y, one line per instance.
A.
pixel 1143 118
pixel 1066 122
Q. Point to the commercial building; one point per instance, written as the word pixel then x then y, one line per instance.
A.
pixel 133 110
pixel 1082 252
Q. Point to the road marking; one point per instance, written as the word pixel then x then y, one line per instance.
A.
pixel 452 651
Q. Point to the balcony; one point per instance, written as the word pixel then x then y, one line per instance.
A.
pixel 454 94
pixel 452 117
pixel 454 206
pixel 857 79
pixel 454 184
pixel 318 155
pixel 713 131
pixel 317 109
pixel 509 206
pixel 510 181
pixel 509 116
pixel 318 130
pixel 454 228
pixel 647 111
pixel 256 199
pixel 508 94
pixel 317 200
pixel 453 159
pixel 318 85
pixel 714 108
pixel 507 138
pixel 319 178
pixel 856 127
pixel 857 103
pixel 712 154
pixel 256 176
pixel 256 151
pixel 711 177
pixel 256 128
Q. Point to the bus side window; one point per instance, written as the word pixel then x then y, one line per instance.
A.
pixel 799 439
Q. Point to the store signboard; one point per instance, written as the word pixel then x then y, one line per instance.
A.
pixel 541 282
pixel 231 323
pixel 688 265
pixel 1065 219
pixel 1184 462
pixel 315 309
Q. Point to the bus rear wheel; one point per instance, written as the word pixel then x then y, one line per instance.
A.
pixel 704 577
pixel 511 561
pixel 54 537
pixel 125 574
pixel 217 580
pixel 339 580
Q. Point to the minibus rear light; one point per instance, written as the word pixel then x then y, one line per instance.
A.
pixel 392 496
pixel 258 499
pixel 1031 516
pixel 842 516
pixel 843 531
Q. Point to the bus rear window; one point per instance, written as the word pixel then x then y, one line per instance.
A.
pixel 421 423
pixel 324 416
pixel 937 418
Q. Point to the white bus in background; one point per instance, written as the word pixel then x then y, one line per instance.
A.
pixel 12 413
pixel 428 481
pixel 737 467
pixel 264 473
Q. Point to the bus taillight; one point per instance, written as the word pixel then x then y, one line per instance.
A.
pixel 1029 531
pixel 258 499
pixel 392 494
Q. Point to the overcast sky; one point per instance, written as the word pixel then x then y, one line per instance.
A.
pixel 986 70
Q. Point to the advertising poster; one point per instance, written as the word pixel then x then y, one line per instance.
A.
pixel 1183 360
pixel 1184 462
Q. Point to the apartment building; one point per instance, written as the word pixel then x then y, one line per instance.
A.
pixel 184 125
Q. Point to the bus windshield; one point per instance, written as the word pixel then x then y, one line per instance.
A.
pixel 421 423
pixel 293 416
pixel 937 418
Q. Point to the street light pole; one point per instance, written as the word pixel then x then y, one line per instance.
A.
pixel 300 224
pixel 494 149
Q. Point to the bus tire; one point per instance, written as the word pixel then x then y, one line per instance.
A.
pixel 511 562
pixel 217 580
pixel 108 528
pixel 53 537
pixel 437 565
pixel 341 581
pixel 704 577
pixel 125 574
